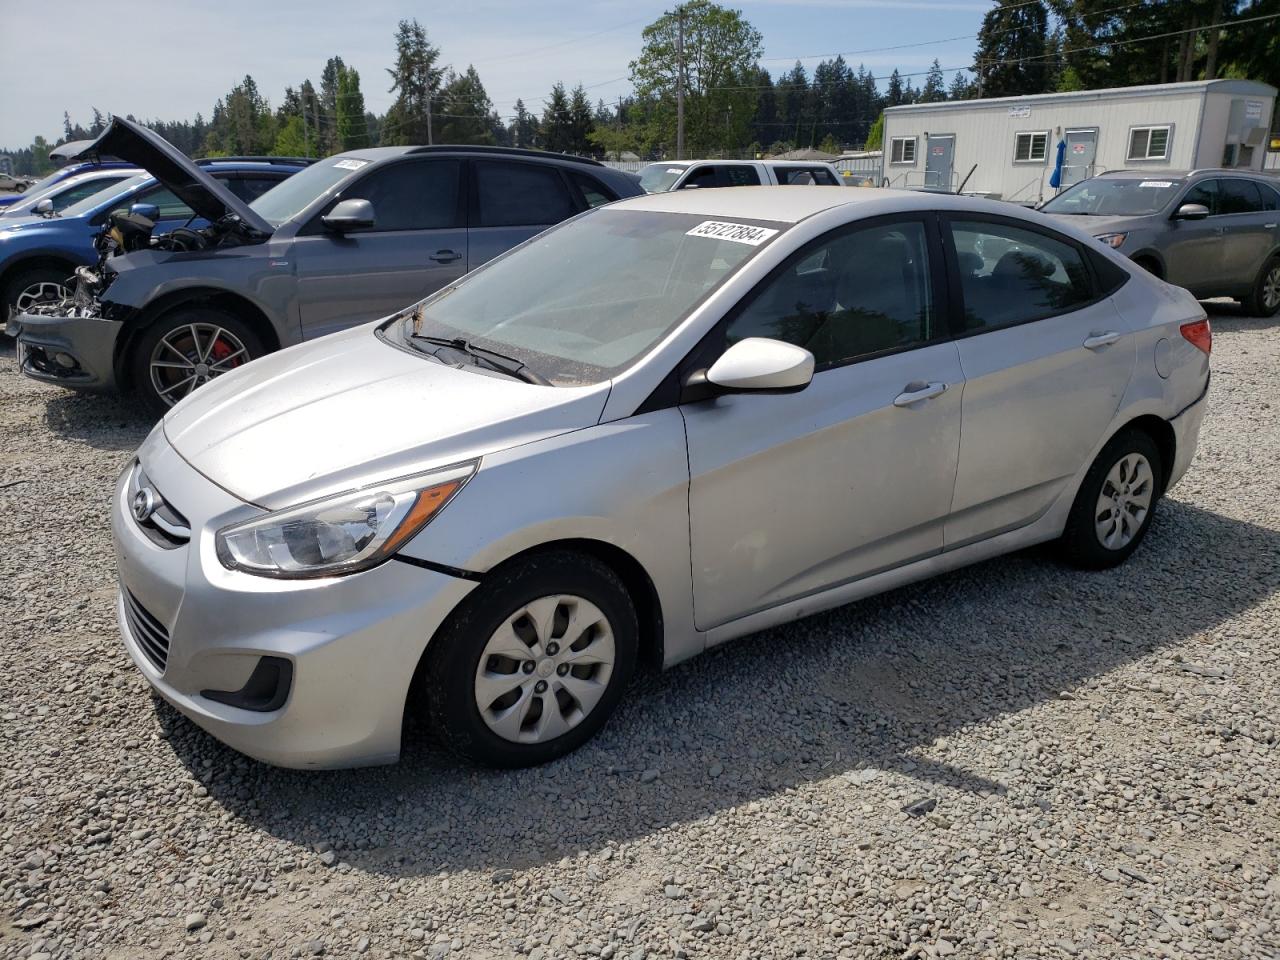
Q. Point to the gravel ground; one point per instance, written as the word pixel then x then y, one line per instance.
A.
pixel 1016 760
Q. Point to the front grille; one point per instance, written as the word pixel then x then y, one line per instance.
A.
pixel 149 633
pixel 160 522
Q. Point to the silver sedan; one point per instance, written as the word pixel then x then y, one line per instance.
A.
pixel 662 425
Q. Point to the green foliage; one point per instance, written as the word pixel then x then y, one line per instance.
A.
pixel 467 114
pixel 352 130
pixel 829 145
pixel 242 123
pixel 414 79
pixel 292 140
pixel 875 138
pixel 1011 58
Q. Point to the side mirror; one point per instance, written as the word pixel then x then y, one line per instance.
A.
pixel 757 363
pixel 1191 211
pixel 148 210
pixel 349 215
pixel 43 207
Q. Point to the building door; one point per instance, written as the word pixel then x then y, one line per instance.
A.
pixel 1082 150
pixel 938 161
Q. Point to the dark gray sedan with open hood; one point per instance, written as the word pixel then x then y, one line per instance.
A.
pixel 352 238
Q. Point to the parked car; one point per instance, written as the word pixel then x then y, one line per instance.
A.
pixel 39 255
pixel 683 174
pixel 493 504
pixel 56 198
pixel 354 237
pixel 1215 232
pixel 59 175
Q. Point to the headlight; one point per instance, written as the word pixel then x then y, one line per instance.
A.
pixel 1112 240
pixel 342 534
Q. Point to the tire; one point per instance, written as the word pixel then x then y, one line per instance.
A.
pixel 1264 298
pixel 494 616
pixel 27 283
pixel 1150 265
pixel 1097 537
pixel 183 360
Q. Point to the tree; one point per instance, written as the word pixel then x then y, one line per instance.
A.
pixel 897 94
pixel 557 121
pixel 961 88
pixel 353 132
pixel 292 140
pixel 466 114
pixel 934 87
pixel 330 104
pixel 414 79
pixel 720 50
pixel 1011 59
pixel 242 123
pixel 875 138
pixel 581 122
pixel 524 129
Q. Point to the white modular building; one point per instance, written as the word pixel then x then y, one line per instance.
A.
pixel 1007 147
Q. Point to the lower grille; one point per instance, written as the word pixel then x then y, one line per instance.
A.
pixel 148 632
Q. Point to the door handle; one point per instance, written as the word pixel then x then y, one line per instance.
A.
pixel 1100 340
pixel 1269 226
pixel 445 256
pixel 918 390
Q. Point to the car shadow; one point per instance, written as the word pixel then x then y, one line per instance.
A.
pixel 1229 315
pixel 834 694
pixel 103 421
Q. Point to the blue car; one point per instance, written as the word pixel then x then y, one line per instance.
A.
pixel 62 173
pixel 38 254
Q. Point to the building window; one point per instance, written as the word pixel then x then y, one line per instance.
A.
pixel 1149 143
pixel 1030 147
pixel 902 150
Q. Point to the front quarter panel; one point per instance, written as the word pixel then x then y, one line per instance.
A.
pixel 625 484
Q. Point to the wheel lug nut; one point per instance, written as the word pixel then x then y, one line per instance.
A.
pixel 562 669
pixel 540 687
pixel 552 649
pixel 528 666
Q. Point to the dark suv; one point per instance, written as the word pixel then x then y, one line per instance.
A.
pixel 350 239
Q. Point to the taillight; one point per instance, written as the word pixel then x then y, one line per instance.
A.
pixel 1199 335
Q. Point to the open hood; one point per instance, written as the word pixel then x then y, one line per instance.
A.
pixel 136 144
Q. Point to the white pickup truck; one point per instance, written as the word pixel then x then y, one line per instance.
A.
pixel 682 174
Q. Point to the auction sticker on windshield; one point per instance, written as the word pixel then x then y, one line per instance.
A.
pixel 350 164
pixel 737 232
pixel 1156 184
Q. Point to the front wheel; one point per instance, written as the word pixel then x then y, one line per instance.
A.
pixel 1114 506
pixel 186 348
pixel 534 661
pixel 1264 299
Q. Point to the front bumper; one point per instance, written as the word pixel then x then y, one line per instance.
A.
pixel 352 643
pixel 73 352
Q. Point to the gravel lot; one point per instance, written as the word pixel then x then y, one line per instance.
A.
pixel 1016 760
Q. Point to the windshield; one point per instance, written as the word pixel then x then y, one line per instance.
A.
pixel 1115 197
pixel 659 177
pixel 292 196
pixel 95 200
pixel 583 301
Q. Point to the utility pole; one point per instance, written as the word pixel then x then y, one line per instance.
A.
pixel 429 114
pixel 679 83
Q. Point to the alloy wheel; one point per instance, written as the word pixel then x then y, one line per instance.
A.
pixel 191 355
pixel 545 669
pixel 43 291
pixel 1271 288
pixel 1124 501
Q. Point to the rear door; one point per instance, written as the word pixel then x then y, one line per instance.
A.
pixel 1192 249
pixel 1046 359
pixel 511 201
pixel 418 244
pixel 1247 229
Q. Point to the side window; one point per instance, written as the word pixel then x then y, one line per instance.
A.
pixel 701 178
pixel 824 177
pixel 418 195
pixel 593 191
pixel 740 177
pixel 1270 197
pixel 171 208
pixel 793 176
pixel 520 194
pixel 250 189
pixel 1010 275
pixel 1204 193
pixel 1239 196
pixel 82 190
pixel 858 292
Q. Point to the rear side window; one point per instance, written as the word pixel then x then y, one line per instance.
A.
pixel 854 294
pixel 418 195
pixel 520 194
pixel 740 177
pixel 1239 196
pixel 594 193
pixel 1009 275
pixel 701 177
pixel 171 208
pixel 1270 197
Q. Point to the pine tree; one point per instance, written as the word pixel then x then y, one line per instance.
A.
pixel 415 79
pixel 1012 43
pixel 557 122
pixel 352 131
pixel 934 87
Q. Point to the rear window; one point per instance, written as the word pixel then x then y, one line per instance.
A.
pixel 520 195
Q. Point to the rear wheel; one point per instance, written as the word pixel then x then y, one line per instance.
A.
pixel 1264 299
pixel 186 348
pixel 1114 506
pixel 28 288
pixel 534 661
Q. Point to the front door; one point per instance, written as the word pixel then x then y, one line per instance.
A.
pixel 793 493
pixel 938 162
pixel 1192 249
pixel 418 244
pixel 1046 361
pixel 1082 150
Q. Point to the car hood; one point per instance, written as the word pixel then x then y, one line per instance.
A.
pixel 150 151
pixel 350 409
pixel 1096 226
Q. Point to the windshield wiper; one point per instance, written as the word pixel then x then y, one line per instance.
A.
pixel 489 358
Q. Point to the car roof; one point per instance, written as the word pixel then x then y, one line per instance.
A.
pixel 793 204
pixel 249 166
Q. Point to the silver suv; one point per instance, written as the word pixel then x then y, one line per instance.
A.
pixel 1215 232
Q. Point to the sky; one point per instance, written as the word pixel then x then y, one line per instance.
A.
pixel 171 59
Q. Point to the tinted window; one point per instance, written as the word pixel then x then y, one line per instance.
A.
pixel 740 177
pixel 794 176
pixel 1270 197
pixel 81 190
pixel 702 177
pixel 171 208
pixel 859 292
pixel 418 195
pixel 249 189
pixel 520 194
pixel 1239 196
pixel 593 191
pixel 1204 193
pixel 1010 275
